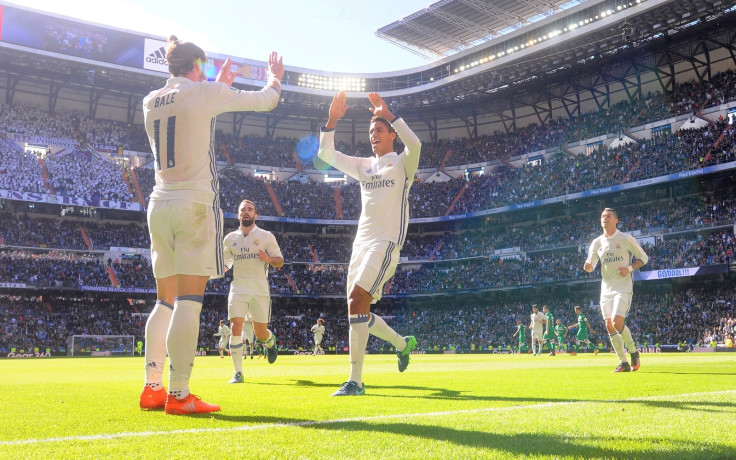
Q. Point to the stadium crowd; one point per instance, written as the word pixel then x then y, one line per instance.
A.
pixel 661 315
pixel 85 175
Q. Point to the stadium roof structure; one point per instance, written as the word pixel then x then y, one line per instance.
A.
pixel 448 26
pixel 556 64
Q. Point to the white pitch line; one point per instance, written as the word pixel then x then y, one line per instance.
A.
pixel 307 423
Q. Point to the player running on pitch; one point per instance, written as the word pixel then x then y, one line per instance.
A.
pixel 614 250
pixel 250 250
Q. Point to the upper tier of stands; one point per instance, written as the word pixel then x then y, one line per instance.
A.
pixel 75 171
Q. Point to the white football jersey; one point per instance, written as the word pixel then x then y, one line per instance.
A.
pixel 250 274
pixel 537 319
pixel 224 332
pixel 615 252
pixel 384 185
pixel 318 330
pixel 180 123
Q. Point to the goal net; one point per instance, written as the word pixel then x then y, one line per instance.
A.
pixel 100 345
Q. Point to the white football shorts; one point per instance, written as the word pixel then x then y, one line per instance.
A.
pixel 258 306
pixel 186 238
pixel 615 304
pixel 248 332
pixel 372 265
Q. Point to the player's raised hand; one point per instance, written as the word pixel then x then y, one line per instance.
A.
pixel 226 75
pixel 276 65
pixel 263 256
pixel 380 108
pixel 338 107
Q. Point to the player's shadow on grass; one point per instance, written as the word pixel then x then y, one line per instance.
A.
pixel 690 373
pixel 256 419
pixel 456 395
pixel 532 444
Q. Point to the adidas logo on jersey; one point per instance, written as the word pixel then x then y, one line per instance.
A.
pixel 157 57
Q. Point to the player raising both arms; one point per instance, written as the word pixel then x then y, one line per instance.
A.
pixel 184 216
pixel 250 250
pixel 583 329
pixel 385 180
pixel 614 250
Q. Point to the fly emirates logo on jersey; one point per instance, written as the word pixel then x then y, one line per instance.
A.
pixel 612 258
pixel 245 254
pixel 376 182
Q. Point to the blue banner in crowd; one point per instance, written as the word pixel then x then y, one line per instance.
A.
pixel 680 272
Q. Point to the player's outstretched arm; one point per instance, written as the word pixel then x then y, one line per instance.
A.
pixel 275 71
pixel 338 107
pixel 380 108
pixel 226 75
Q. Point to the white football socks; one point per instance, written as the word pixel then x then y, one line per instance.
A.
pixel 618 346
pixel 270 341
pixel 358 342
pixel 628 340
pixel 378 327
pixel 156 327
pixel 236 352
pixel 182 343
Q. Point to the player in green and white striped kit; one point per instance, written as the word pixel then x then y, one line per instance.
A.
pixel 583 329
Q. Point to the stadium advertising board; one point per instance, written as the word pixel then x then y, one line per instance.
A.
pixel 680 272
pixel 154 55
pixel 69 200
pixel 73 38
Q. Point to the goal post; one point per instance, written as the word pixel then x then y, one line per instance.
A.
pixel 100 345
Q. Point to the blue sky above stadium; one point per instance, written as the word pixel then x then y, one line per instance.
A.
pixel 330 35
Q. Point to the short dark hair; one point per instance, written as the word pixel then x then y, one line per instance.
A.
pixel 255 208
pixel 612 211
pixel 182 55
pixel 384 121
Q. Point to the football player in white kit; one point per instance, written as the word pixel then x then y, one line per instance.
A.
pixel 537 327
pixel 223 332
pixel 184 216
pixel 248 336
pixel 614 250
pixel 385 180
pixel 250 250
pixel 319 331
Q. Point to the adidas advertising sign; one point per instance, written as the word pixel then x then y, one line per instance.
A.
pixel 154 55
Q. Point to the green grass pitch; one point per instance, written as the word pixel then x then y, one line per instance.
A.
pixel 443 406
